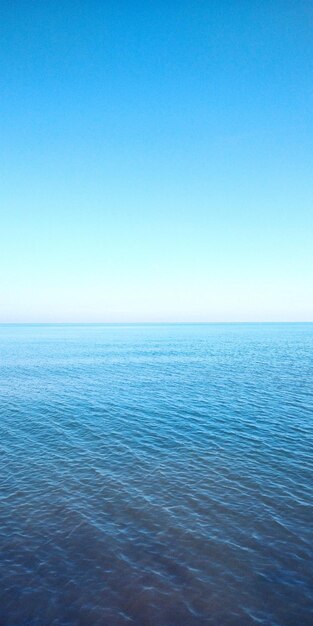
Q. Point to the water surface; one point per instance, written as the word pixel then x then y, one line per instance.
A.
pixel 156 475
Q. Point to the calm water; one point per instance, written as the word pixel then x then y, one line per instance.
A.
pixel 156 475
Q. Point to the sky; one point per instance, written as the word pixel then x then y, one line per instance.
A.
pixel 156 160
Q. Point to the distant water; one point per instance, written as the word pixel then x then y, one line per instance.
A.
pixel 156 475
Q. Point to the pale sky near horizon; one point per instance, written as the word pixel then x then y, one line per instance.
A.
pixel 156 160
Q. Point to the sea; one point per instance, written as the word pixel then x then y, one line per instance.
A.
pixel 156 474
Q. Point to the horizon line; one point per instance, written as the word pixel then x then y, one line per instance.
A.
pixel 150 323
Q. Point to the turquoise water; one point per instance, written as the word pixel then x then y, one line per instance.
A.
pixel 156 475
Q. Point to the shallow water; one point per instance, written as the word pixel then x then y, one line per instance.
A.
pixel 156 475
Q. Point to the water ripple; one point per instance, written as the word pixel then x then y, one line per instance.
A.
pixel 156 475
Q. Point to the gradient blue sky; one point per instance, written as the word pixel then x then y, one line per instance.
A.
pixel 156 160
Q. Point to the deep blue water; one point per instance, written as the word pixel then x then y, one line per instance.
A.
pixel 156 475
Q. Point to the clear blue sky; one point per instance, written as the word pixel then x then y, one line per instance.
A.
pixel 157 160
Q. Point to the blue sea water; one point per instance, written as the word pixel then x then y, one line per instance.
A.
pixel 156 475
